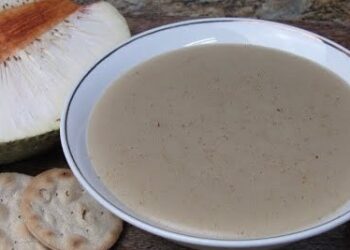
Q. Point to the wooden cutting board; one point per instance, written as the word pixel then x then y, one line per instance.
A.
pixel 135 239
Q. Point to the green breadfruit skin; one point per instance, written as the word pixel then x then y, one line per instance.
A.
pixel 25 148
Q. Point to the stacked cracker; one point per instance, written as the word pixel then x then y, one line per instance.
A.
pixel 52 211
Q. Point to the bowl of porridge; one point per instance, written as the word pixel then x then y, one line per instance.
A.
pixel 219 133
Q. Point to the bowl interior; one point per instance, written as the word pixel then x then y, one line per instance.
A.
pixel 172 37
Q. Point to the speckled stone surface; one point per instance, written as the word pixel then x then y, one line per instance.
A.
pixel 315 10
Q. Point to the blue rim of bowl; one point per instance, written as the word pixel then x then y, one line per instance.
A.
pixel 160 231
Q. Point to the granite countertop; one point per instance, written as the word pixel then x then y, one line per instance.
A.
pixel 314 10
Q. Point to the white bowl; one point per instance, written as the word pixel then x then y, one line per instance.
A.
pixel 171 37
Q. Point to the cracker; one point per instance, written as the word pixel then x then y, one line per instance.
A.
pixel 63 216
pixel 13 232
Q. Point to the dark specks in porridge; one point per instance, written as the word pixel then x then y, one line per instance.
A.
pixel 225 141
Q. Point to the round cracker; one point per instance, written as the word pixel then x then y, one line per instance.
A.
pixel 60 214
pixel 13 232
